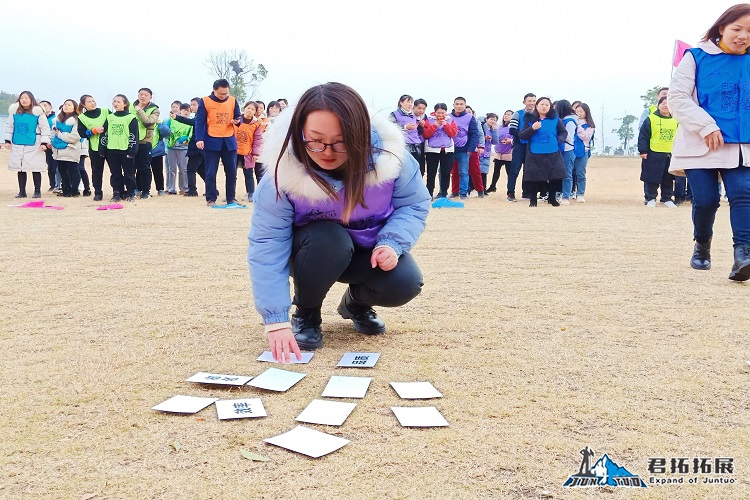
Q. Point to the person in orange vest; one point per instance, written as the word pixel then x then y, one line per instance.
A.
pixel 215 119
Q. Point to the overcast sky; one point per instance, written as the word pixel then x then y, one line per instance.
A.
pixel 605 53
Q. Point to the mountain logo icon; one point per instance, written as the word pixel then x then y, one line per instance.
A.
pixel 604 472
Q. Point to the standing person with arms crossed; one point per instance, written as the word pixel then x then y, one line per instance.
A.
pixel 708 97
pixel 147 114
pixel 215 119
pixel 519 147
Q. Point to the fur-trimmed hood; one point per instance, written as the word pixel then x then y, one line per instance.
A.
pixel 389 151
pixel 37 110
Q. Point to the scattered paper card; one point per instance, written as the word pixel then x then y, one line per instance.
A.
pixel 184 404
pixel 268 357
pixel 274 379
pixel 347 387
pixel 240 408
pixel 326 412
pixel 427 416
pixel 308 442
pixel 359 359
pixel 219 379
pixel 415 390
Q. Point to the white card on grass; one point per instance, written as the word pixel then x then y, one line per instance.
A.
pixel 347 387
pixel 219 379
pixel 184 404
pixel 326 412
pixel 274 379
pixel 415 390
pixel 307 441
pixel 240 408
pixel 359 359
pixel 427 416
pixel 268 357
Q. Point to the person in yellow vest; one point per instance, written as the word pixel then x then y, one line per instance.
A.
pixel 118 144
pixel 90 126
pixel 147 114
pixel 215 119
pixel 655 146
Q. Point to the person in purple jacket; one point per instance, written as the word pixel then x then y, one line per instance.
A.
pixel 503 150
pixel 343 201
pixel 406 120
pixel 465 143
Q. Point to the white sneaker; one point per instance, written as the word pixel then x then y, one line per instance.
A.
pixel 651 204
pixel 670 204
pixel 581 199
pixel 565 201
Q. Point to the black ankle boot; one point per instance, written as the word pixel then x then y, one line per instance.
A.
pixel 306 329
pixel 364 317
pixel 701 259
pixel 741 267
pixel 552 199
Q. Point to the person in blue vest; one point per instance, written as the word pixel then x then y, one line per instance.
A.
pixel 27 136
pixel 518 154
pixel 343 202
pixel 582 149
pixel 465 143
pixel 570 122
pixel 215 119
pixel 709 98
pixel 544 169
pixel 66 147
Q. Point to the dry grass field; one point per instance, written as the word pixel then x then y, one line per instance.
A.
pixel 545 329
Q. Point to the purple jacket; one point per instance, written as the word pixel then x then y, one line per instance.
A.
pixel 503 133
pixel 411 136
pixel 439 139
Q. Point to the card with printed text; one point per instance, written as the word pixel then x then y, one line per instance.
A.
pixel 219 379
pixel 359 359
pixel 227 409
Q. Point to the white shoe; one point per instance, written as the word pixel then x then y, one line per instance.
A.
pixel 565 201
pixel 670 204
pixel 581 199
pixel 651 204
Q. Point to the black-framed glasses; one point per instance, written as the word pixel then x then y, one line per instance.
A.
pixel 319 146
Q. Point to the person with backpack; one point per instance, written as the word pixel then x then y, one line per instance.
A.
pixel 570 122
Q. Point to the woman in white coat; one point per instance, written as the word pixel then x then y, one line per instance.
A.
pixel 27 137
pixel 66 148
pixel 709 98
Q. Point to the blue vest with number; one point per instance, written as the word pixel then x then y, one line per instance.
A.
pixel 56 142
pixel 521 112
pixel 544 141
pixel 24 129
pixel 722 82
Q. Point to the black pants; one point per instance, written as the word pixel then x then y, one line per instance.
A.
pixel 51 168
pixel 23 176
pixel 122 174
pixel 324 253
pixel 667 189
pixel 97 171
pixel 196 165
pixel 157 169
pixel 143 168
pixel 445 162
pixel 229 161
pixel 249 173
pixel 417 152
pixel 70 178
pixel 496 174
pixel 83 174
pixel 542 187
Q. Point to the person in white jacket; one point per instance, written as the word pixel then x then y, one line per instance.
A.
pixel 66 147
pixel 710 98
pixel 27 138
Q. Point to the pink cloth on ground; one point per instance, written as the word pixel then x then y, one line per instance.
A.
pixel 113 206
pixel 38 204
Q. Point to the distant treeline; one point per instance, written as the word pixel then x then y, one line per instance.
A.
pixel 6 100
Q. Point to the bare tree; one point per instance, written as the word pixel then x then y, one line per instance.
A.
pixel 244 75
